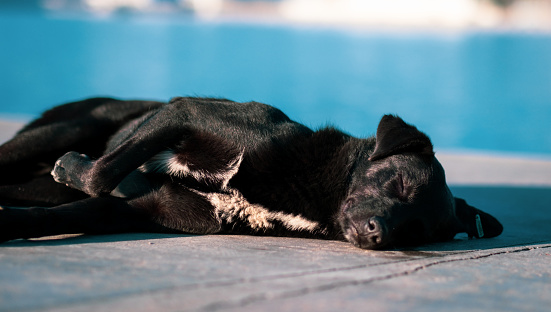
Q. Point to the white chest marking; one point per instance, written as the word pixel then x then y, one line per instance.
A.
pixel 168 163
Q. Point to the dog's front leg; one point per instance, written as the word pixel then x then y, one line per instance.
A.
pixel 71 170
pixel 101 176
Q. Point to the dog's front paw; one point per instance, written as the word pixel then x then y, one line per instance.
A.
pixel 71 170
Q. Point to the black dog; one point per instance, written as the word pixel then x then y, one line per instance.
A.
pixel 201 165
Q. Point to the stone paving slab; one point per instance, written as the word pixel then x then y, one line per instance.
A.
pixel 154 272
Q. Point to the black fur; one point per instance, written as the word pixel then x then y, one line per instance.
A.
pixel 201 165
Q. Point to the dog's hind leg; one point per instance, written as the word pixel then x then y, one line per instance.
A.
pixel 171 209
pixel 31 151
pixel 92 215
pixel 84 126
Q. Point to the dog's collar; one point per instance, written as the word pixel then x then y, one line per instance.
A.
pixel 479 229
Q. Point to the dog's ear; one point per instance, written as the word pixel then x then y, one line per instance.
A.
pixel 394 136
pixel 474 222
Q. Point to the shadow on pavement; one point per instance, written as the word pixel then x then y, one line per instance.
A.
pixel 79 239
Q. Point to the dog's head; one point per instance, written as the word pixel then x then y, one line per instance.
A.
pixel 399 197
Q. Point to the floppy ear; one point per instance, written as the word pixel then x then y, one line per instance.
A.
pixel 394 136
pixel 475 222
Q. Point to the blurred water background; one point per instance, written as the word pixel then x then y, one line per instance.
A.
pixel 474 75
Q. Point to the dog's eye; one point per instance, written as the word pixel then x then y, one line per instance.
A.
pixel 400 188
pixel 349 202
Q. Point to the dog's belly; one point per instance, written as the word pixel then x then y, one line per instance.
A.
pixel 134 185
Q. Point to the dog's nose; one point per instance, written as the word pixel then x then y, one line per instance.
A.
pixel 370 233
pixel 374 231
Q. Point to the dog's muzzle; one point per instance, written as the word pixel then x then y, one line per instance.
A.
pixel 370 234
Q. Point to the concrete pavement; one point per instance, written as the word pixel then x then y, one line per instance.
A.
pixel 152 272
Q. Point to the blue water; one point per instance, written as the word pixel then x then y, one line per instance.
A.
pixel 471 90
